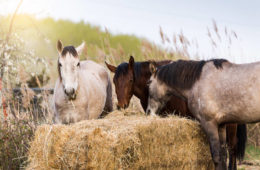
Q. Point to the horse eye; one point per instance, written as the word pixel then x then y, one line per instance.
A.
pixel 78 64
pixel 131 80
pixel 60 65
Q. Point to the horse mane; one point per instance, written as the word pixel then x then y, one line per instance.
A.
pixel 183 74
pixel 69 49
pixel 218 62
pixel 122 69
pixel 139 68
pixel 59 70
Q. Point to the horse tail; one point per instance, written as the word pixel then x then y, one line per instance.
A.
pixel 241 142
pixel 109 100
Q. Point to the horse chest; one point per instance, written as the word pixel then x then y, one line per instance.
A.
pixel 72 111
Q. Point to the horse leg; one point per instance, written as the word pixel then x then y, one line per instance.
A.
pixel 144 104
pixel 222 139
pixel 232 145
pixel 211 130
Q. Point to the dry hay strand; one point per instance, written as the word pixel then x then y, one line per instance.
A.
pixel 121 142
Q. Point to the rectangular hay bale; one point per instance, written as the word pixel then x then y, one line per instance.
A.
pixel 121 142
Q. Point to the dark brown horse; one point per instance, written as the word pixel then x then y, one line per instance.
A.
pixel 132 79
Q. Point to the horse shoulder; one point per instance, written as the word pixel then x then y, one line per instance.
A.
pixel 202 96
pixel 96 78
pixel 95 95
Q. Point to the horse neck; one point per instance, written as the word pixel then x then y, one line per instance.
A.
pixel 81 88
pixel 141 89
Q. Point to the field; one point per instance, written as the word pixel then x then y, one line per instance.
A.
pixel 29 60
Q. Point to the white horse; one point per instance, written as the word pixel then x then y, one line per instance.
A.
pixel 83 90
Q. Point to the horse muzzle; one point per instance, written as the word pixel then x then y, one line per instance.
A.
pixel 122 106
pixel 71 93
pixel 150 112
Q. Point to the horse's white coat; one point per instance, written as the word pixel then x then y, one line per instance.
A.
pixel 91 95
pixel 69 71
pixel 93 92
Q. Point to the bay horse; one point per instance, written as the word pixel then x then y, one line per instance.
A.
pixel 132 78
pixel 218 92
pixel 83 89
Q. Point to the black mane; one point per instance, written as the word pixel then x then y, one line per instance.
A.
pixel 183 74
pixel 218 62
pixel 70 49
pixel 140 68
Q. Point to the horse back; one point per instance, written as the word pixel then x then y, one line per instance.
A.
pixel 225 93
pixel 96 70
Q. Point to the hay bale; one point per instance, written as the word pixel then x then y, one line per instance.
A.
pixel 121 142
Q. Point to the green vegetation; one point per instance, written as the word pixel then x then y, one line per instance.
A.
pixel 252 153
pixel 38 38
pixel 41 36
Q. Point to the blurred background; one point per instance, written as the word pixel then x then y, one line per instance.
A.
pixel 113 30
pixel 119 28
pixel 143 20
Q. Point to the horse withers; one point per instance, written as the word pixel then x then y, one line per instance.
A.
pixel 132 78
pixel 218 92
pixel 83 90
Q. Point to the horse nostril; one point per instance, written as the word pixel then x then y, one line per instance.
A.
pixel 118 107
pixel 148 112
pixel 69 92
pixel 125 105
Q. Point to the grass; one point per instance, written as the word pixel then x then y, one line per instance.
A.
pixel 252 152
pixel 252 158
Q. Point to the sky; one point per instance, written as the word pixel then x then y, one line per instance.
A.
pixel 144 18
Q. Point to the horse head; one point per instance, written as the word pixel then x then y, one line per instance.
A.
pixel 159 93
pixel 69 67
pixel 124 82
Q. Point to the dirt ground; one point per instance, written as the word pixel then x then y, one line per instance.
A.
pixel 249 165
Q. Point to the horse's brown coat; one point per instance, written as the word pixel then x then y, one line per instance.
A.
pixel 138 87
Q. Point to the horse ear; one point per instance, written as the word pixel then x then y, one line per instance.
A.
pixel 80 48
pixel 152 67
pixel 59 46
pixel 111 67
pixel 131 62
